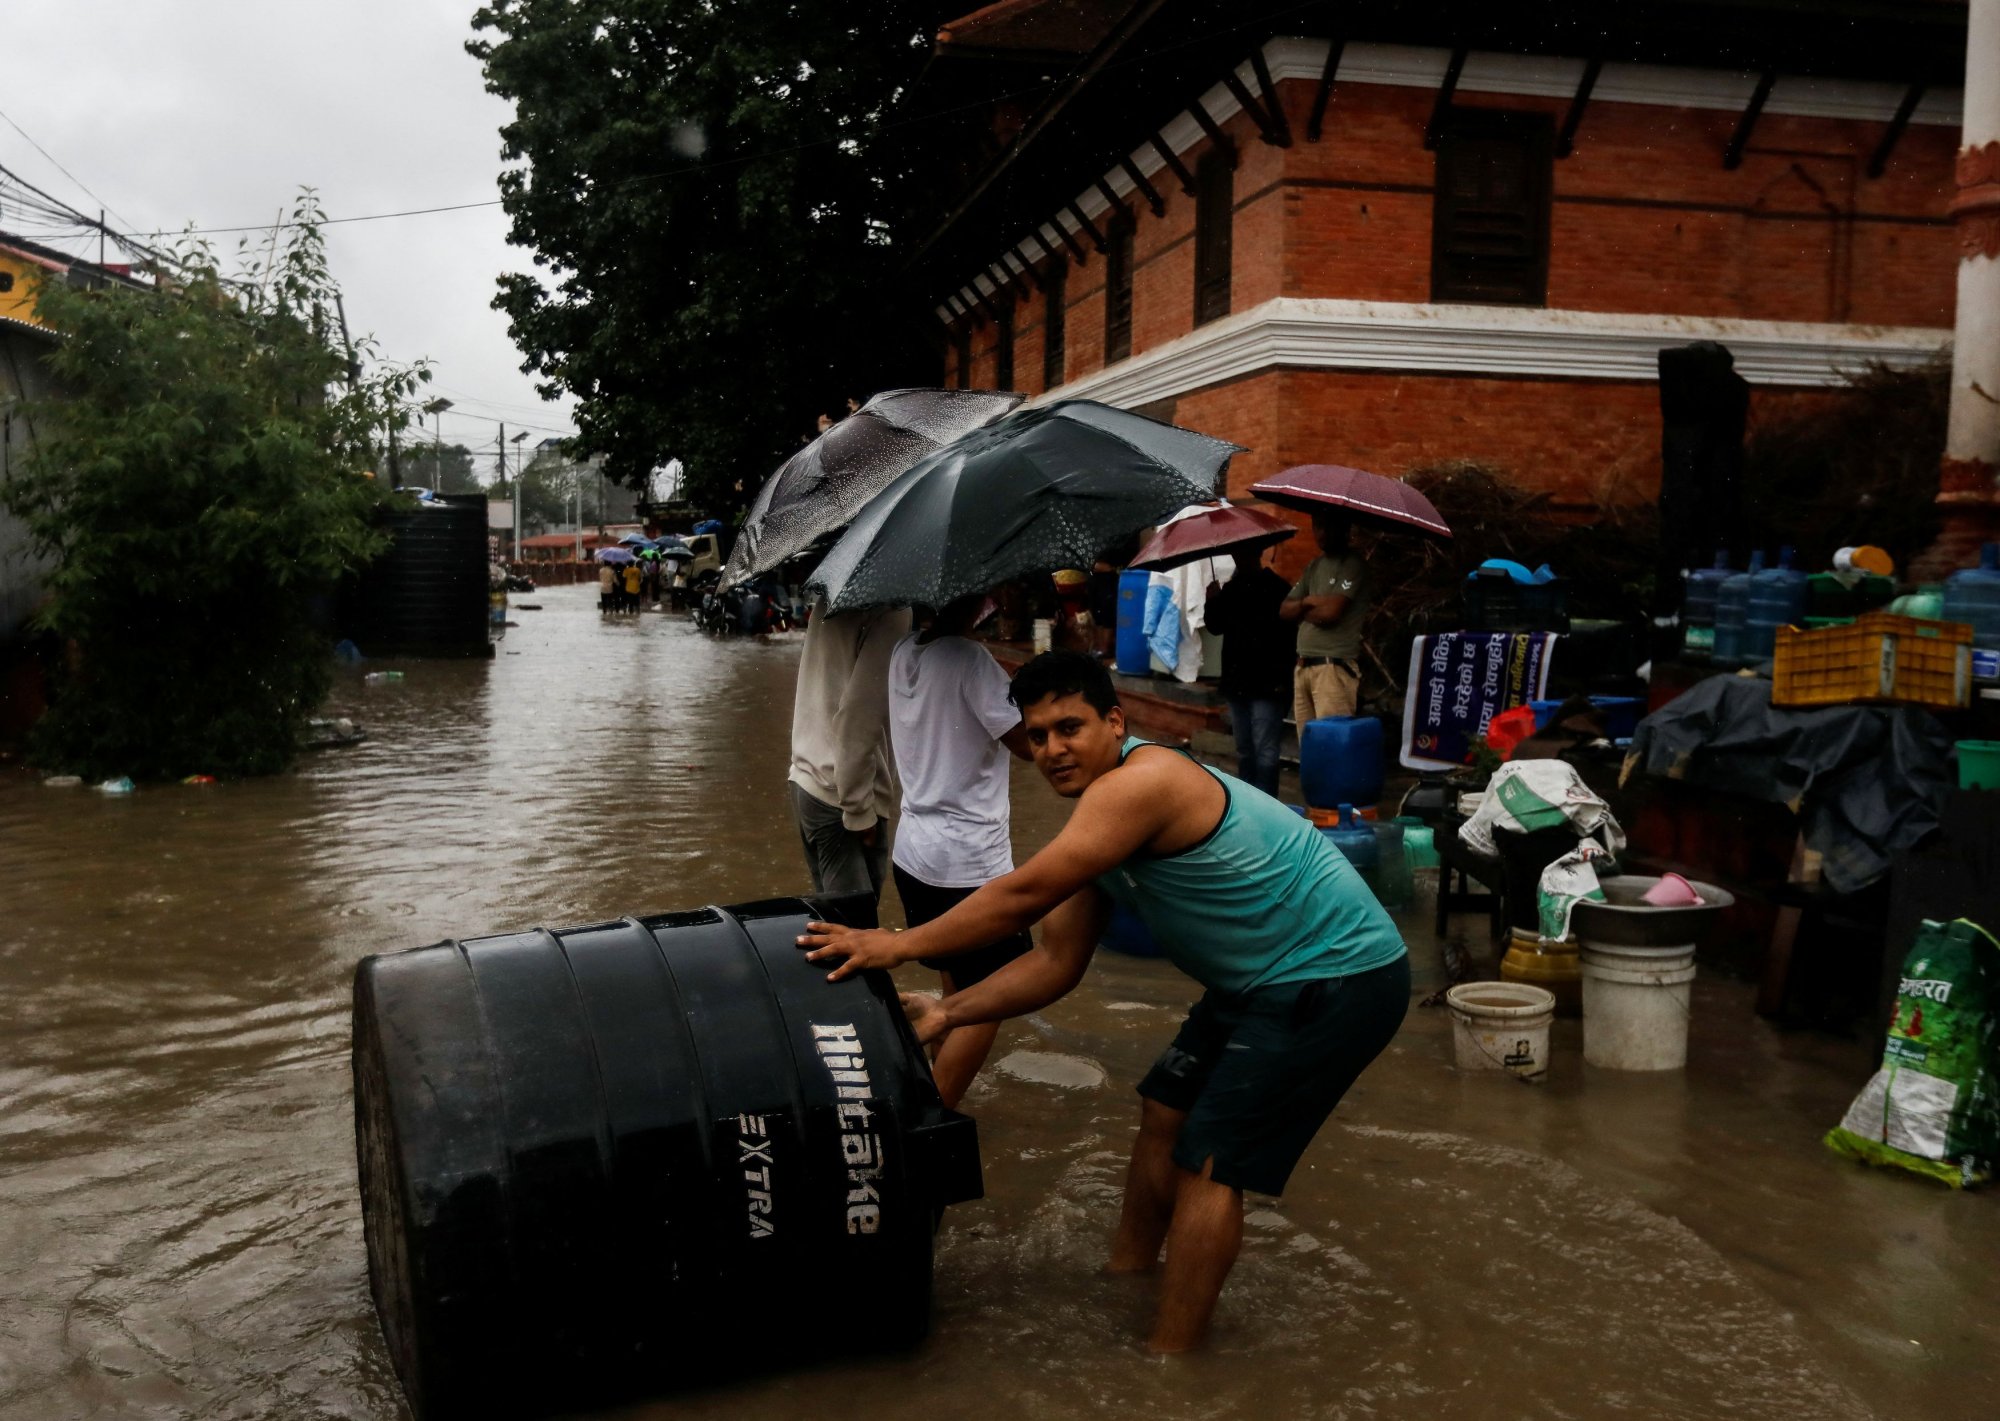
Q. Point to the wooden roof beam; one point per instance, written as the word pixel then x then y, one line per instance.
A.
pixel 1117 203
pixel 1027 271
pixel 1732 156
pixel 1441 106
pixel 1566 139
pixel 1314 124
pixel 1878 161
pixel 1174 164
pixel 1003 278
pixel 1146 189
pixel 1214 132
pixel 992 311
pixel 1088 227
pixel 1250 106
pixel 1069 240
pixel 1279 123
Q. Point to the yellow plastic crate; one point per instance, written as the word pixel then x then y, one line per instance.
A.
pixel 1881 657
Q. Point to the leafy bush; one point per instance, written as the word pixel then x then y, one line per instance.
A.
pixel 1859 466
pixel 200 482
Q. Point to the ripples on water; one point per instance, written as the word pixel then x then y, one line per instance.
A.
pixel 179 1235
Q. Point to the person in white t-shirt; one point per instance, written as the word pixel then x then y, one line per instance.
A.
pixel 951 727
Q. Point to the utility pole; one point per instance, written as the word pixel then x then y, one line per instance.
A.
pixel 517 493
pixel 501 445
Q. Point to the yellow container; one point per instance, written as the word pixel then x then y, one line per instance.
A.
pixel 1880 657
pixel 1554 966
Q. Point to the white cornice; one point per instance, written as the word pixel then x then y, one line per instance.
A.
pixel 1414 338
pixel 1418 67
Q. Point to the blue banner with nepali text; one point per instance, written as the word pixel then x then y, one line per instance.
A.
pixel 1459 681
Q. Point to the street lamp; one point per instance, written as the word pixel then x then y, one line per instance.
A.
pixel 436 408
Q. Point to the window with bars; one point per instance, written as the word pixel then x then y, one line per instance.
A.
pixel 1214 215
pixel 1118 288
pixel 1490 212
pixel 1003 343
pixel 1054 318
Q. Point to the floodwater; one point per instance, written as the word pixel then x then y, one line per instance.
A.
pixel 179 1231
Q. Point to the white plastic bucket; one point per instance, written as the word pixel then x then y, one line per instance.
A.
pixel 1640 959
pixel 1044 634
pixel 1501 1026
pixel 1635 1013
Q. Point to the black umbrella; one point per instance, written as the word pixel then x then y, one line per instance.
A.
pixel 1037 490
pixel 825 484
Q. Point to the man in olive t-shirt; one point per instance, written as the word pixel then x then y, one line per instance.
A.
pixel 1328 602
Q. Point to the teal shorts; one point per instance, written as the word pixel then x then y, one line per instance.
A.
pixel 1258 1073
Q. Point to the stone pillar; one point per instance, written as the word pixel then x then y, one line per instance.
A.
pixel 1969 479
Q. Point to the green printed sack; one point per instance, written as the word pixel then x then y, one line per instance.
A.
pixel 1934 1106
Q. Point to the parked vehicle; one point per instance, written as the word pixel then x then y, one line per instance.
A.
pixel 750 608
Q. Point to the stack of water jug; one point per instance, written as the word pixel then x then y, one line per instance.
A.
pixel 1731 617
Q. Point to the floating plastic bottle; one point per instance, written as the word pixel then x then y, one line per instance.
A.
pixel 1732 601
pixel 378 678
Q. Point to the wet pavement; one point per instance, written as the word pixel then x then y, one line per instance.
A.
pixel 179 1232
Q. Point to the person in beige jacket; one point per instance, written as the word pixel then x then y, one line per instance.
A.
pixel 842 783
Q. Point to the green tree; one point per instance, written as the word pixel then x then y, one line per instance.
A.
pixel 200 484
pixel 420 465
pixel 710 194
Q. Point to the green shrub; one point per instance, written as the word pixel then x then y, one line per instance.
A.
pixel 200 480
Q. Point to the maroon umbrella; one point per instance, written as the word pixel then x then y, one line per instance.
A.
pixel 1211 531
pixel 1386 503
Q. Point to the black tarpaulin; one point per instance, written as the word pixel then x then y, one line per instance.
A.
pixel 1865 781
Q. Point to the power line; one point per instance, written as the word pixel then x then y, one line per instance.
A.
pixel 66 172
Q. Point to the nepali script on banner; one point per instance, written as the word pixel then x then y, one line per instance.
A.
pixel 1461 680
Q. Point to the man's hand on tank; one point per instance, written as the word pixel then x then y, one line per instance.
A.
pixel 927 1015
pixel 862 947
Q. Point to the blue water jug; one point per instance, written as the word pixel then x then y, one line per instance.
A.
pixel 1972 596
pixel 1355 839
pixel 1698 606
pixel 1778 598
pixel 1126 932
pixel 1340 760
pixel 1732 600
pixel 1132 656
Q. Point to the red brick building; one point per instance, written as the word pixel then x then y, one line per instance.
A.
pixel 1435 232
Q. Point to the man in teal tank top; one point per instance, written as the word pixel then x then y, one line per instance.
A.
pixel 1307 977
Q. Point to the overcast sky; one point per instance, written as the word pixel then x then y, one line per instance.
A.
pixel 214 112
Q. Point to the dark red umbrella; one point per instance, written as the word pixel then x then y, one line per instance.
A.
pixel 1211 531
pixel 1386 503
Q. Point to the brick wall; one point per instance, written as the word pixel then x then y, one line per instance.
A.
pixel 1644 219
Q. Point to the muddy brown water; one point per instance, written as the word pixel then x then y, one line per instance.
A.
pixel 179 1232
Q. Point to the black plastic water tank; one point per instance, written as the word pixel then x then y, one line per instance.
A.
pixel 427 595
pixel 612 1160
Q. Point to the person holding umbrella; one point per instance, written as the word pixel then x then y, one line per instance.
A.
pixel 1258 653
pixel 952 726
pixel 1328 602
pixel 1307 977
pixel 1257 645
pixel 840 783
